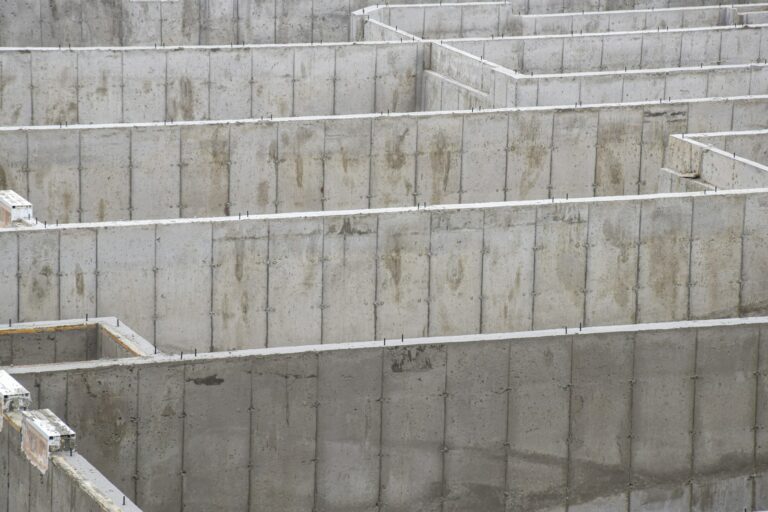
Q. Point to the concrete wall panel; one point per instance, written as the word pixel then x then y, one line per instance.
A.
pixel 204 171
pixel 13 166
pixel 355 74
pixel 715 257
pixel 612 263
pixel 560 267
pixel 204 386
pixel 144 91
pixel 100 80
pixel 295 282
pixel 273 95
pixel 393 162
pixel 658 123
pixel 754 274
pixel 54 96
pixel 300 175
pixel 183 284
pixel 663 273
pixel 573 172
pixel 475 460
pixel 78 273
pixel 508 270
pixel 396 78
pixel 348 452
pixel 618 152
pixel 313 80
pixel 105 187
pixel 349 279
pixel 253 168
pixel 54 187
pixel 230 71
pixel 240 263
pixel 15 77
pixel 439 160
pixel 537 462
pixel 188 77
pixel 412 428
pixel 456 273
pixel 403 275
pixel 529 158
pixel 39 282
pixel 256 21
pixel 126 282
pixel 347 167
pixel 284 428
pixel 484 158
pixel 159 436
pixel 9 303
pixel 155 172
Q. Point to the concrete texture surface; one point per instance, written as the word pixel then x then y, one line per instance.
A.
pixel 659 416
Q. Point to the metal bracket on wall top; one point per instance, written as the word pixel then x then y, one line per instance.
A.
pixel 43 433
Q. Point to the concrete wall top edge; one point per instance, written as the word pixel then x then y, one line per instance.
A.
pixel 462 5
pixel 519 336
pixel 425 114
pixel 385 211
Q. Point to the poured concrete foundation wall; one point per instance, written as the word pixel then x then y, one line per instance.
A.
pixel 444 21
pixel 752 144
pixel 71 483
pixel 622 50
pixel 669 417
pixel 221 284
pixel 45 87
pixel 127 172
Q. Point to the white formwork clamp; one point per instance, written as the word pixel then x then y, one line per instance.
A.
pixel 15 397
pixel 43 433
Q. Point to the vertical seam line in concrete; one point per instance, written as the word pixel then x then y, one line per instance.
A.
pixel 694 377
pixel 506 448
pixel 461 162
pixel 165 87
pixel 162 16
pixel 96 273
pixel 274 35
pixel 381 428
pixel 228 206
pixel 210 84
pixel 637 263
pixel 631 424
pixel 293 84
pixel 79 177
pixel 597 144
pixel 483 252
pixel 570 429
pixel 370 164
pixel 506 157
pixel 690 257
pixel 740 302
pixel 333 82
pixel 18 278
pixel 77 86
pixel 266 298
pixel 250 82
pixel 444 450
pixel 130 173
pixel 250 437
pixel 323 188
pixel 181 172
pixel 322 279
pixel 277 167
pixel 416 168
pixel 183 431
pixel 429 275
pixel 122 87
pixel 58 273
pixel 756 426
pixel 26 164
pixel 136 446
pixel 32 88
pixel 586 267
pixel 317 428
pixel 533 270
pixel 210 310
pixel 154 285
pixel 376 284
pixel 375 76
pixel 40 17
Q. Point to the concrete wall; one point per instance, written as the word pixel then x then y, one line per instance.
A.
pixel 443 21
pixel 43 87
pixel 622 50
pixel 751 144
pixel 56 342
pixel 667 417
pixel 126 172
pixel 71 483
pixel 713 165
pixel 290 279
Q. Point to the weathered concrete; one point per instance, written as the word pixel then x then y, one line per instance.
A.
pixel 594 418
pixel 427 265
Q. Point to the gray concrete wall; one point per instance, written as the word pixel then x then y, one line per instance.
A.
pixel 297 279
pixel 114 85
pixel 71 483
pixel 121 172
pixel 666 417
pixel 622 50
pixel 443 21
pixel 707 162
pixel 70 340
pixel 128 22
